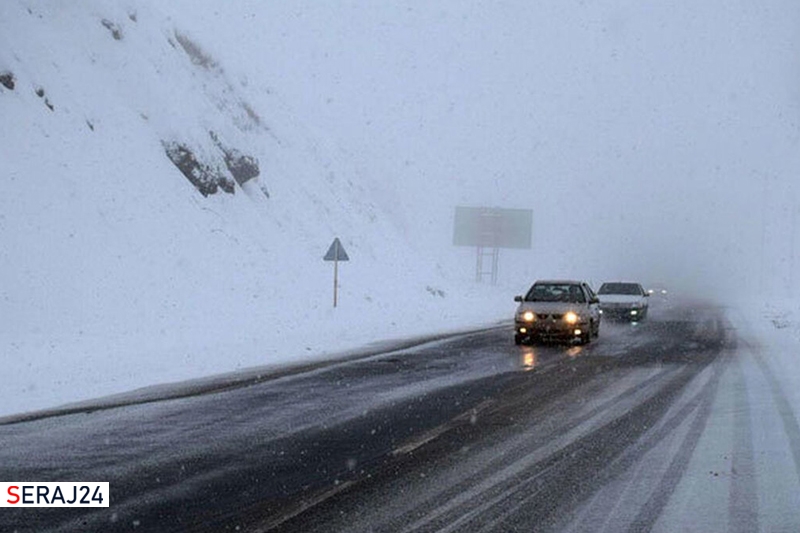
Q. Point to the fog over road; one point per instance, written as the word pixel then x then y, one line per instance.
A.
pixel 653 426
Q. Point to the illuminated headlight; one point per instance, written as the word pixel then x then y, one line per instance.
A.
pixel 634 312
pixel 571 317
pixel 528 316
pixel 523 330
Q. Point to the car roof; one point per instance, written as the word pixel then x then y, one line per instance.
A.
pixel 559 282
pixel 621 283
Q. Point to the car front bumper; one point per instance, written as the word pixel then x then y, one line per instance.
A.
pixel 623 312
pixel 550 330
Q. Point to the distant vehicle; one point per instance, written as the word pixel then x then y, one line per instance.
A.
pixel 557 311
pixel 663 292
pixel 623 300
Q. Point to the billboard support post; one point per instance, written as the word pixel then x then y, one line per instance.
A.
pixel 488 229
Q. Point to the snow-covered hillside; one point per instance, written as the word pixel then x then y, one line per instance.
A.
pixel 172 172
pixel 119 272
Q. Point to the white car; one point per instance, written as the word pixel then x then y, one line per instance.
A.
pixel 623 300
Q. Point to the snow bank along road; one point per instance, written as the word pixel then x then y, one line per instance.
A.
pixel 675 424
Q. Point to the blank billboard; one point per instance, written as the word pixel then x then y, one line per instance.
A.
pixel 492 227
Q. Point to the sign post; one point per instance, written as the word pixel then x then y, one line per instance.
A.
pixel 336 253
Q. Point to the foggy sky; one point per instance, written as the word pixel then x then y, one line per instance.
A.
pixel 652 141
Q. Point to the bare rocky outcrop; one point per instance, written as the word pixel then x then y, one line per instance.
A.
pixel 206 179
pixel 242 167
pixel 40 93
pixel 116 31
pixel 7 79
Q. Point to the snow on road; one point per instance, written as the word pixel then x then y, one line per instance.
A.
pixel 741 471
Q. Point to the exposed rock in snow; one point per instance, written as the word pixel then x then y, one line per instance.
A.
pixel 205 178
pixel 116 31
pixel 7 80
pixel 241 166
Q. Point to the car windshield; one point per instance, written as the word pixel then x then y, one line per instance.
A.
pixel 620 288
pixel 555 292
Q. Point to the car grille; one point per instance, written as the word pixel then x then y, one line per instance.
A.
pixel 545 316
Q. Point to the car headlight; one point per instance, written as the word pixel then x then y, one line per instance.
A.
pixel 528 316
pixel 571 317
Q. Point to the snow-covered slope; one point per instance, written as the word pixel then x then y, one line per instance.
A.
pixel 137 247
pixel 120 272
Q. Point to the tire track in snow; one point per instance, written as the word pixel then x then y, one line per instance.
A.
pixel 480 490
pixel 562 478
pixel 530 487
pixel 652 509
pixel 609 504
pixel 784 407
pixel 743 499
pixel 527 454
pixel 698 409
pixel 650 512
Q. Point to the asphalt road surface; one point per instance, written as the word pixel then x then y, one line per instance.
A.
pixel 469 433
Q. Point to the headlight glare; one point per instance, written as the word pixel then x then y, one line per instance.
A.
pixel 528 316
pixel 571 317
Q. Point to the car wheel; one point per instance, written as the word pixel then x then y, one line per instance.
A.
pixel 517 339
pixel 586 337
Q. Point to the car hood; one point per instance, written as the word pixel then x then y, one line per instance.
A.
pixel 550 307
pixel 621 299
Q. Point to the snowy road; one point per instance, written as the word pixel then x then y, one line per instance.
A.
pixel 681 423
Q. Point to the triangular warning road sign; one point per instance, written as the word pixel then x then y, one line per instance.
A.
pixel 336 252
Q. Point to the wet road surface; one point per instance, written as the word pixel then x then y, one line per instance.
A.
pixel 470 433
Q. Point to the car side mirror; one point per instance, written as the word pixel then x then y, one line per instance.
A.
pixel 517 298
pixel 647 295
pixel 594 301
